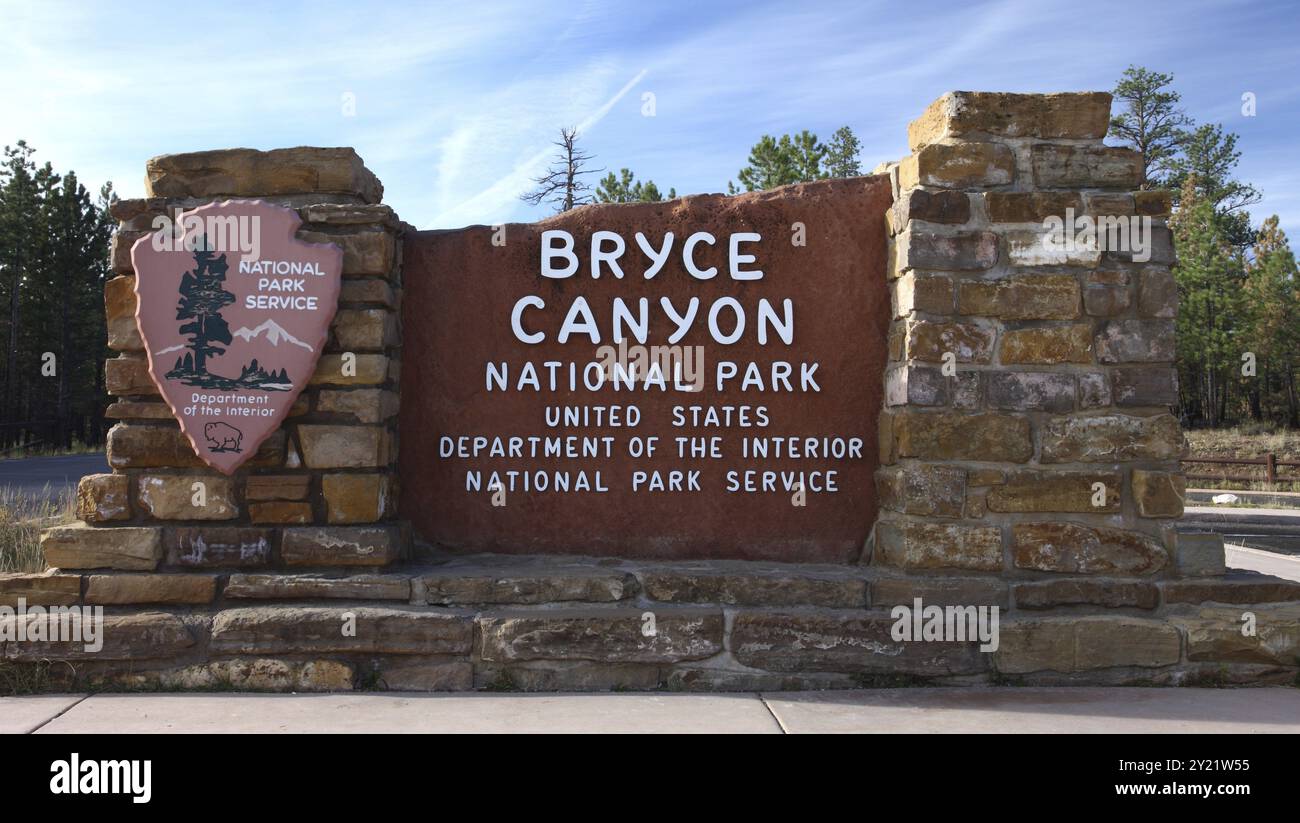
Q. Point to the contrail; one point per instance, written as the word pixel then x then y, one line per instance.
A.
pixel 509 186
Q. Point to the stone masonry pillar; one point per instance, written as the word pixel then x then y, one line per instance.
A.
pixel 321 491
pixel 1027 430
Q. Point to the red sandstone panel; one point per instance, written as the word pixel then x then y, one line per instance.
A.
pixel 461 291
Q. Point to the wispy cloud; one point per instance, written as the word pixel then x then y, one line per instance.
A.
pixel 457 104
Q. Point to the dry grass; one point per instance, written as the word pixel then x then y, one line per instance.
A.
pixel 41 449
pixel 1244 441
pixel 22 519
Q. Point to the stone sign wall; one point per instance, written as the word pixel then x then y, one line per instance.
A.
pixel 1019 390
pixel 687 436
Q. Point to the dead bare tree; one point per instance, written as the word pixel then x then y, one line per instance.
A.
pixel 563 184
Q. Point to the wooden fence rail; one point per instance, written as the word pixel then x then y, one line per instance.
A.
pixel 1270 462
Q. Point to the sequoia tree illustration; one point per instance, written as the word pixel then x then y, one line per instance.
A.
pixel 202 297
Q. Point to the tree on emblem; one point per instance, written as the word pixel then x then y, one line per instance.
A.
pixel 203 296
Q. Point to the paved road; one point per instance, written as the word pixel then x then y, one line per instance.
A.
pixel 1035 711
pixel 1270 529
pixel 1263 561
pixel 30 476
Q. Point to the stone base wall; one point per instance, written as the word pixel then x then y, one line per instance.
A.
pixel 1030 462
pixel 494 622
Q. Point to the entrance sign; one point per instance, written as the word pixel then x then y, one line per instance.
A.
pixel 700 379
pixel 234 312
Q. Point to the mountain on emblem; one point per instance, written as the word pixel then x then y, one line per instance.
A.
pixel 274 334
pixel 234 311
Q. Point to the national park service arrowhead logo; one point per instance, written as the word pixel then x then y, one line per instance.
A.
pixel 234 312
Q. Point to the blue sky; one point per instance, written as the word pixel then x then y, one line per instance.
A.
pixel 456 103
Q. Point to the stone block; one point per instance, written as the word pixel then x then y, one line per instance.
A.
pixel 659 635
pixel 1047 345
pixel 1216 635
pixel 1200 554
pixel 318 587
pixel 119 309
pixel 249 173
pixel 1078 167
pixel 955 436
pixel 1040 247
pixel 162 589
pixel 775 586
pixel 1083 643
pixel 1157 293
pixel 259 487
pixel 186 496
pixel 1030 391
pixel 134 637
pixel 1111 438
pixel 340 546
pixel 354 370
pixel 968 342
pixel 522 584
pixel 128 375
pixel 357 498
pixel 343 447
pixel 1107 594
pixel 1136 341
pixel 288 512
pixel 79 546
pixel 976 115
pixel 218 546
pixel 1237 587
pixel 341 629
pixel 103 498
pixel 1073 548
pixel 1159 494
pixel 911 544
pixel 48 588
pixel 843 641
pixel 364 405
pixel 1048 491
pixel 1029 206
pixel 924 489
pixel 1023 297
pixel 949 207
pixel 364 252
pixel 924 293
pixel 959 251
pixel 958 166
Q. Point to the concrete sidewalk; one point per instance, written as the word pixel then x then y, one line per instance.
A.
pixel 1040 711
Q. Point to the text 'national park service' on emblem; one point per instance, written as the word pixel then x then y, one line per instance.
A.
pixel 234 312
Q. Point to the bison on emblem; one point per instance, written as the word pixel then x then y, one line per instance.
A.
pixel 222 437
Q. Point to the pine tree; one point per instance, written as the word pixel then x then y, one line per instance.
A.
pixel 1209 159
pixel 841 158
pixel 1272 296
pixel 1211 308
pixel 625 188
pixel 1151 122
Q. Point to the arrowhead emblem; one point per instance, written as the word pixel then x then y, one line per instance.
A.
pixel 234 312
